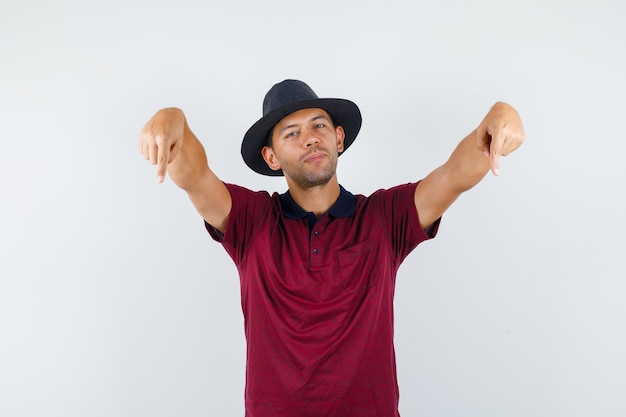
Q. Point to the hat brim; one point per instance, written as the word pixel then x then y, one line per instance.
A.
pixel 345 113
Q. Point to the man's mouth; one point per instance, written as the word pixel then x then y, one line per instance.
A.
pixel 316 156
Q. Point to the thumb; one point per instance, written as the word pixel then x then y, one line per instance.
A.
pixel 483 139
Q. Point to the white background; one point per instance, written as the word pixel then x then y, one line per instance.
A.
pixel 114 301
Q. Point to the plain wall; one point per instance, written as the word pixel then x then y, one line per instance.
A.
pixel 114 301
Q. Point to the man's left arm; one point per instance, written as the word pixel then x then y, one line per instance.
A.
pixel 500 133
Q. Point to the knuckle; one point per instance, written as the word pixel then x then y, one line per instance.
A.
pixel 160 138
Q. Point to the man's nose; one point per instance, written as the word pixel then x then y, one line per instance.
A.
pixel 310 138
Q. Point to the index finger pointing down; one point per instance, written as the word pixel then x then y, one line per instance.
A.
pixel 495 151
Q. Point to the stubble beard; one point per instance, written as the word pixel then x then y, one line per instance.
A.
pixel 311 177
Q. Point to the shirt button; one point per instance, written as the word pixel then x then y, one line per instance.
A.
pixel 316 233
pixel 316 251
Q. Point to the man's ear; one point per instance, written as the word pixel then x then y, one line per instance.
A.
pixel 270 158
pixel 341 135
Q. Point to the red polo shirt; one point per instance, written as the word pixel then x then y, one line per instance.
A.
pixel 317 299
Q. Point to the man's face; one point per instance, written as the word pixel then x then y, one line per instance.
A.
pixel 305 145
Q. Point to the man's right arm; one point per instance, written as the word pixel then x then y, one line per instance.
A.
pixel 167 141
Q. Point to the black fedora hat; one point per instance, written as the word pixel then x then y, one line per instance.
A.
pixel 285 98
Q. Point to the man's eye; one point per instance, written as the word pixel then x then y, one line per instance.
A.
pixel 320 125
pixel 291 134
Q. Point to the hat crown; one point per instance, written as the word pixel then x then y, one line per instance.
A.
pixel 287 92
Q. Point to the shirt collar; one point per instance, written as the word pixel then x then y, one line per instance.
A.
pixel 345 206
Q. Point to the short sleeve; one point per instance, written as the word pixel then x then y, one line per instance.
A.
pixel 397 207
pixel 250 210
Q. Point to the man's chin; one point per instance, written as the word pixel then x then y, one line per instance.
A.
pixel 313 179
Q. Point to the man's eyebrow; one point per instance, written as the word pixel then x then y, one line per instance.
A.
pixel 321 116
pixel 312 119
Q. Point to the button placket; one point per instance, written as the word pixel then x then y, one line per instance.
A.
pixel 316 250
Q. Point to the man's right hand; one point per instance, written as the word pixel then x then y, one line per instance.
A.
pixel 161 141
pixel 161 138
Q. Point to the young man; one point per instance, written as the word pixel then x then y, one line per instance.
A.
pixel 317 264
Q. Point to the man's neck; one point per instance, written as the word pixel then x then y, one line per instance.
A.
pixel 318 199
